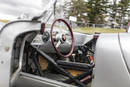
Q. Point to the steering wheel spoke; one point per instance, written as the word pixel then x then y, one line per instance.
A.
pixel 68 42
pixel 58 44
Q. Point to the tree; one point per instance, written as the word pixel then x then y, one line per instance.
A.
pixel 77 9
pixel 113 10
pixel 96 10
pixel 123 10
pixel 119 11
pixel 90 10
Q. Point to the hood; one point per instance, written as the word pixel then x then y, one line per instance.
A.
pixel 124 40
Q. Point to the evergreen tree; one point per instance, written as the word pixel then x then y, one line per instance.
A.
pixel 113 10
pixel 77 9
pixel 96 10
pixel 124 11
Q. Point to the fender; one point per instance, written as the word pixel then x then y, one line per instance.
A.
pixel 112 69
pixel 8 34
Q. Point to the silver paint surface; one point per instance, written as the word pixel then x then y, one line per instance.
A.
pixel 8 35
pixel 111 69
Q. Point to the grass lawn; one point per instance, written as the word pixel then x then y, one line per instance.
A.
pixel 98 30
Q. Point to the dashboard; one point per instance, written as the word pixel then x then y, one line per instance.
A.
pixel 44 41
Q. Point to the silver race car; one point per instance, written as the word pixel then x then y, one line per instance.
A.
pixel 32 54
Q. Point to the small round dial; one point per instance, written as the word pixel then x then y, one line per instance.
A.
pixel 45 36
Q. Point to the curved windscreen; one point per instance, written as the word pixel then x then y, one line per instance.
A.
pixel 52 10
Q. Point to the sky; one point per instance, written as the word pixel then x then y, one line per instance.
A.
pixel 12 9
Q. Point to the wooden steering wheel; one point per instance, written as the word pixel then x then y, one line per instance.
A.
pixel 63 38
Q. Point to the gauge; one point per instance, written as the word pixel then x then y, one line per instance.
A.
pixel 45 36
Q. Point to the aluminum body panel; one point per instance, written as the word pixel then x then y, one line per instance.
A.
pixel 29 80
pixel 8 35
pixel 111 69
pixel 125 47
pixel 79 38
